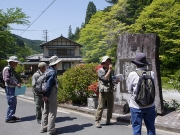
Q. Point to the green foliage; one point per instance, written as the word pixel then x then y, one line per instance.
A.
pixel 32 44
pixel 11 16
pixel 70 34
pixel 18 70
pixel 112 1
pixel 162 18
pixel 91 10
pixel 173 104
pixel 176 80
pixel 3 63
pixel 73 84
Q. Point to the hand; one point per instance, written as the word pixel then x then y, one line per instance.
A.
pixel 19 85
pixel 45 99
pixel 110 66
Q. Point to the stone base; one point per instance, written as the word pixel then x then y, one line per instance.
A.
pixel 92 102
pixel 121 108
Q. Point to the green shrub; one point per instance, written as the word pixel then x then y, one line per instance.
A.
pixel 73 84
pixel 176 80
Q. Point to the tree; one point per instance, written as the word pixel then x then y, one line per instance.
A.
pixel 162 18
pixel 70 34
pixel 91 10
pixel 112 2
pixel 12 16
pixel 76 34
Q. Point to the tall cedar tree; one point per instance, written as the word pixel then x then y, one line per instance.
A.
pixel 70 34
pixel 91 10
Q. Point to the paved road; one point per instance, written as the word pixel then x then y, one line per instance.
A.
pixel 68 122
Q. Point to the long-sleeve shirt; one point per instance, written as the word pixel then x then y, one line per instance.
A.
pixel 131 82
pixel 9 77
pixel 51 81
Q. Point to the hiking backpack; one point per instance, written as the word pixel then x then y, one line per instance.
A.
pixel 145 89
pixel 2 82
pixel 40 85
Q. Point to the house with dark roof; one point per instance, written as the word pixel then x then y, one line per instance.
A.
pixel 67 51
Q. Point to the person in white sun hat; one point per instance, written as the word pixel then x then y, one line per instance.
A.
pixel 10 83
pixel 50 99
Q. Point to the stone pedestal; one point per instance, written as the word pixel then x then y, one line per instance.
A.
pixel 92 102
pixel 121 108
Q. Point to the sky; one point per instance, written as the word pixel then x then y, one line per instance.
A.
pixel 55 16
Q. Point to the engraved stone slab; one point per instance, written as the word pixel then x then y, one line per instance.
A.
pixel 128 46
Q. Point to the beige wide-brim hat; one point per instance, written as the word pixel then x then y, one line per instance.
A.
pixel 13 59
pixel 53 60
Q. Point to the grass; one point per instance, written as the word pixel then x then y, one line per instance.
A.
pixel 167 86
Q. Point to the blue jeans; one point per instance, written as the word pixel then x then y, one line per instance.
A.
pixel 12 101
pixel 148 114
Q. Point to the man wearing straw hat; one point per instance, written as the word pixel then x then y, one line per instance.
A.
pixel 10 83
pixel 50 99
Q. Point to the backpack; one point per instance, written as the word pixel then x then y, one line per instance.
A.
pixel 2 82
pixel 145 89
pixel 40 85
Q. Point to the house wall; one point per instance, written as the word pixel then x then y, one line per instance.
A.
pixel 73 63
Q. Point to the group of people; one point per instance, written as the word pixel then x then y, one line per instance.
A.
pixel 46 104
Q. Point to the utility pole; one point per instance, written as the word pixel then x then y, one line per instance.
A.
pixel 45 36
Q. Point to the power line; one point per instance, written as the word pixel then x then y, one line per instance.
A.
pixel 37 18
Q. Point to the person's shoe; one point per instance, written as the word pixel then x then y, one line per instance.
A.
pixel 16 118
pixel 55 133
pixel 38 121
pixel 108 122
pixel 43 131
pixel 97 124
pixel 10 121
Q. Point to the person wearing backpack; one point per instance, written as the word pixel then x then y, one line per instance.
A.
pixel 106 89
pixel 10 83
pixel 50 99
pixel 141 86
pixel 38 98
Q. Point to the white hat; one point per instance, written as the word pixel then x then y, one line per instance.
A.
pixel 104 58
pixel 13 58
pixel 53 60
pixel 42 64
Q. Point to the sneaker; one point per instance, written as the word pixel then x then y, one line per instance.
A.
pixel 38 121
pixel 97 124
pixel 10 121
pixel 16 118
pixel 55 133
pixel 108 122
pixel 43 131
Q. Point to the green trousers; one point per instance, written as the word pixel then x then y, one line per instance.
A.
pixel 38 99
pixel 103 96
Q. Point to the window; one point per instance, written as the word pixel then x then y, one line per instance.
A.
pixel 66 65
pixel 61 52
pixel 52 52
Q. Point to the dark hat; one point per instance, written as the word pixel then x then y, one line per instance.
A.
pixel 140 59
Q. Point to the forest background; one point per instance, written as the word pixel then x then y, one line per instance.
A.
pixel 101 29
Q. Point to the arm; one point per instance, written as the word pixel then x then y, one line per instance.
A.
pixel 50 83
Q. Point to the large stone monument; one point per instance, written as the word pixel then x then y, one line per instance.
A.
pixel 128 46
